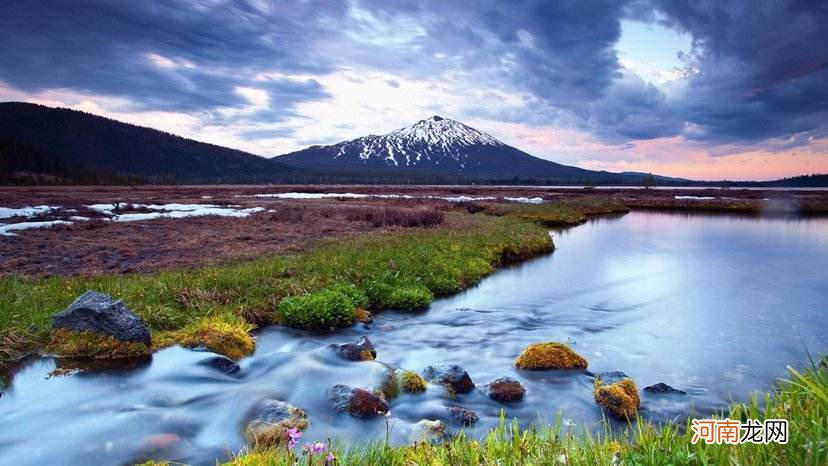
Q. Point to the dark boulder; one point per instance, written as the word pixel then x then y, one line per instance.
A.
pixel 451 376
pixel 462 415
pixel 99 313
pixel 223 364
pixel 505 389
pixel 357 402
pixel 661 388
pixel 362 350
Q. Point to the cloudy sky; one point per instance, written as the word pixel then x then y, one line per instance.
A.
pixel 698 88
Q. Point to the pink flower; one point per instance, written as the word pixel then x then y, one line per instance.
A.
pixel 293 436
pixel 329 460
pixel 317 448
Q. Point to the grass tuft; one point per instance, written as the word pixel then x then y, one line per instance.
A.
pixel 225 334
pixel 327 309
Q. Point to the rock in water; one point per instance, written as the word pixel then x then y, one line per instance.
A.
pixel 357 402
pixel 450 376
pixel 616 393
pixel 270 421
pixel 223 364
pixel 99 313
pixel 505 389
pixel 552 355
pixel 663 388
pixel 362 350
pixel 428 431
pixel 462 415
pixel 411 382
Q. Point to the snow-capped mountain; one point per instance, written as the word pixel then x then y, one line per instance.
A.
pixel 437 146
pixel 425 143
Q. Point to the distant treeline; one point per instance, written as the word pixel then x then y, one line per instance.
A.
pixel 21 163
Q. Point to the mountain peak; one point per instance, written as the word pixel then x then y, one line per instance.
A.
pixel 445 133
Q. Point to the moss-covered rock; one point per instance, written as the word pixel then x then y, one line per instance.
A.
pixel 71 344
pixel 360 350
pixel 228 335
pixel 541 356
pixel 412 382
pixel 270 422
pixel 616 393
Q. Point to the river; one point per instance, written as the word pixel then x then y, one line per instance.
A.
pixel 714 305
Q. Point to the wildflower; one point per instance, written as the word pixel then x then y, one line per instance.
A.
pixel 329 460
pixel 317 448
pixel 293 436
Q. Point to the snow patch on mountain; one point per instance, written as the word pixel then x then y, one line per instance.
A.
pixel 431 139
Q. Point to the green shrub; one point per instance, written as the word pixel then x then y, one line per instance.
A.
pixel 405 297
pixel 441 284
pixel 357 295
pixel 324 310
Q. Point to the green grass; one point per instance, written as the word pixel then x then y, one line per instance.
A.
pixel 401 268
pixel 556 214
pixel 802 400
pixel 321 310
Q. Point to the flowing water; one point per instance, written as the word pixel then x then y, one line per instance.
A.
pixel 714 305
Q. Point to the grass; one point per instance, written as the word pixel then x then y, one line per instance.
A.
pixel 802 400
pixel 557 214
pixel 66 343
pixel 403 268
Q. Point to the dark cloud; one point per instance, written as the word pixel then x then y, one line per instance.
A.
pixel 763 67
pixel 760 66
pixel 105 47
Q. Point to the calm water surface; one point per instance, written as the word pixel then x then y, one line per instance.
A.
pixel 714 305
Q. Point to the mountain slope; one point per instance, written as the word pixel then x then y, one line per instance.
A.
pixel 85 142
pixel 442 146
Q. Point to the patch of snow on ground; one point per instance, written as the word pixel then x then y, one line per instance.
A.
pixel 312 195
pixel 28 211
pixel 6 229
pixel 694 198
pixel 294 195
pixel 188 212
pixel 525 200
pixel 161 211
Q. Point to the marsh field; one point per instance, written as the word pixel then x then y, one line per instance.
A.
pixel 396 324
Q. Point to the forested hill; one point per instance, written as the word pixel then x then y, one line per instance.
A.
pixel 68 142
